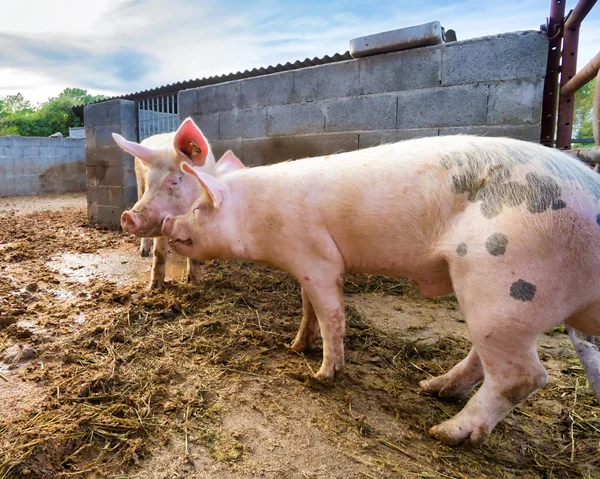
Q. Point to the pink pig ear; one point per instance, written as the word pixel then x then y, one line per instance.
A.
pixel 191 142
pixel 228 163
pixel 210 184
pixel 139 151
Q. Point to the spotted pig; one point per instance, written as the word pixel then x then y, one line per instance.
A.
pixel 511 227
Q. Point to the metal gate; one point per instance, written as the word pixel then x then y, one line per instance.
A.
pixel 158 114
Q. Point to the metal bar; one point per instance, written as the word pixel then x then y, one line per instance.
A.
pixel 596 111
pixel 162 114
pixel 566 103
pixel 580 11
pixel 584 76
pixel 173 117
pixel 554 30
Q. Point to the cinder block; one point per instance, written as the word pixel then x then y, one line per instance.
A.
pixel 209 125
pixel 110 196
pixel 296 119
pixel 443 107
pixel 268 90
pixel 31 151
pixel 395 40
pixel 400 71
pixel 515 102
pixel 509 56
pixel 308 146
pixel 187 101
pixel 216 98
pixel 367 139
pixel 106 176
pixel 50 151
pixel 374 112
pixel 521 132
pixel 243 124
pixel 130 196
pixel 220 147
pixel 104 135
pixel 95 115
pixel 265 151
pixel 10 189
pixel 121 112
pixel 110 215
pixel 333 80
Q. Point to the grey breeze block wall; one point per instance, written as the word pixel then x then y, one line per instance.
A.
pixel 34 165
pixel 485 86
pixel 110 174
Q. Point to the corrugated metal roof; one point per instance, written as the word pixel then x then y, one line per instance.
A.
pixel 173 88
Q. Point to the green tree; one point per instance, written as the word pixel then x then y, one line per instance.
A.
pixel 582 119
pixel 17 116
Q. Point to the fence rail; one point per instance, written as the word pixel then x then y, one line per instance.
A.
pixel 159 114
pixel 563 33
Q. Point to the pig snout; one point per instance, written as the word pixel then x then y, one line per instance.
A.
pixel 167 225
pixel 129 222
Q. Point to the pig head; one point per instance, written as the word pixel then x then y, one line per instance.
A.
pixel 163 189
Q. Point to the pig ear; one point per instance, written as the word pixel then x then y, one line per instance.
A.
pixel 139 151
pixel 228 163
pixel 210 184
pixel 191 142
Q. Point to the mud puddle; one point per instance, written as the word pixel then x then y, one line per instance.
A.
pixel 121 266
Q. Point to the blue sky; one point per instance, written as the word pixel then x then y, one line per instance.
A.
pixel 122 46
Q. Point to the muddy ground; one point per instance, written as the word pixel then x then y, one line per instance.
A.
pixel 101 378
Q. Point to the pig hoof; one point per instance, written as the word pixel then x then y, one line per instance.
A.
pixel 452 434
pixel 329 373
pixel 144 253
pixel 194 279
pixel 299 345
pixel 438 388
pixel 145 247
pixel 154 285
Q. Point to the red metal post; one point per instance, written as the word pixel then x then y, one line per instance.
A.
pixel 580 11
pixel 566 104
pixel 550 100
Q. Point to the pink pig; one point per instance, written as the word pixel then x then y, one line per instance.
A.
pixel 513 228
pixel 163 189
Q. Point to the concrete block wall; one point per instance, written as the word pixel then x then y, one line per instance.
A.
pixel 36 165
pixel 110 175
pixel 485 86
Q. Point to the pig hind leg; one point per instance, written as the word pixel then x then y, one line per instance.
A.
pixel 157 279
pixel 506 347
pixel 309 327
pixel 459 381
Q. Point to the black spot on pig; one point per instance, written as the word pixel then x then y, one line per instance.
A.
pixel 542 194
pixel 598 219
pixel 522 290
pixel 462 249
pixel 558 205
pixel 496 244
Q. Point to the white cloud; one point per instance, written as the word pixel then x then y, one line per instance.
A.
pixel 122 46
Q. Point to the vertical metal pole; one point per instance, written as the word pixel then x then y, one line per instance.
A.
pixel 596 111
pixel 566 104
pixel 550 99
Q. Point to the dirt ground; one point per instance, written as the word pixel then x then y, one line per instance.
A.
pixel 100 378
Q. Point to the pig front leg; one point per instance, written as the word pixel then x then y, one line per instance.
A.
pixel 309 327
pixel 157 279
pixel 194 271
pixel 328 303
pixel 145 247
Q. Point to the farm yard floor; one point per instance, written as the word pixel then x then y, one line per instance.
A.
pixel 101 378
